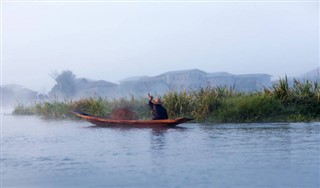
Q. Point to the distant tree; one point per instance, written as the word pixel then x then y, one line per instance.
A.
pixel 65 84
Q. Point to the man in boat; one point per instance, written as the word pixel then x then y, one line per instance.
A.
pixel 158 111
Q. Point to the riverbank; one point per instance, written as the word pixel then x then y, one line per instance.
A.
pixel 299 102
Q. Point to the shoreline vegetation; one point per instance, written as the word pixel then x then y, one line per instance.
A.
pixel 282 102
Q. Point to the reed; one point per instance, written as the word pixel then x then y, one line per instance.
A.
pixel 281 90
pixel 53 109
pixel 178 103
pixel 96 106
pixel 21 109
pixel 298 101
pixel 249 108
pixel 209 100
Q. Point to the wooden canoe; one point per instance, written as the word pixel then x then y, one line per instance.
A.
pixel 100 121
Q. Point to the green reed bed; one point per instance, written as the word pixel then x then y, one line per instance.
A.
pixel 48 109
pixel 95 106
pixel 22 109
pixel 208 101
pixel 283 102
pixel 102 107
pixel 301 100
pixel 178 104
pixel 280 103
pixel 248 108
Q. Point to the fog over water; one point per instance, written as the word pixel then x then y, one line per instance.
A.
pixel 112 41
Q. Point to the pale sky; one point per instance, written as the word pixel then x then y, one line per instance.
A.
pixel 112 41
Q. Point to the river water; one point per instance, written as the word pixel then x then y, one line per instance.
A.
pixel 42 153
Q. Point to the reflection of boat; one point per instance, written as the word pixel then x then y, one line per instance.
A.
pixel 100 121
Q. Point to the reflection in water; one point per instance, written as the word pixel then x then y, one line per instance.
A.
pixel 158 136
pixel 157 147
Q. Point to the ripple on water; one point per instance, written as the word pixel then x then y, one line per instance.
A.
pixel 73 154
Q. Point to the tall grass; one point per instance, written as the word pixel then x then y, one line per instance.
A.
pixel 298 101
pixel 53 109
pixel 209 100
pixel 102 107
pixel 95 106
pixel 21 109
pixel 301 100
pixel 249 108
pixel 178 104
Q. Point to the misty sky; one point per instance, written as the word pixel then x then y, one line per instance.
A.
pixel 112 41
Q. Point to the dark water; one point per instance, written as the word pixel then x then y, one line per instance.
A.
pixel 38 153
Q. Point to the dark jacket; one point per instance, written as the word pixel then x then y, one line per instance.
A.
pixel 158 111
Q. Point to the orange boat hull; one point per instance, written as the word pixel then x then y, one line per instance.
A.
pixel 99 121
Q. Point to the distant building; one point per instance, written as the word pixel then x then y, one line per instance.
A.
pixel 90 88
pixel 184 80
pixel 141 86
pixel 178 81
pixel 192 80
pixel 252 82
pixel 220 79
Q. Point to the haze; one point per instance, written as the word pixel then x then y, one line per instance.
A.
pixel 112 41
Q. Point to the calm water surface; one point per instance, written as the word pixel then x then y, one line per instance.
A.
pixel 40 153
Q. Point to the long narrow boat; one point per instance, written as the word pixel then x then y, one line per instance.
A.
pixel 100 121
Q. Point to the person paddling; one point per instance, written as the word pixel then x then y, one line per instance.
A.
pixel 158 111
